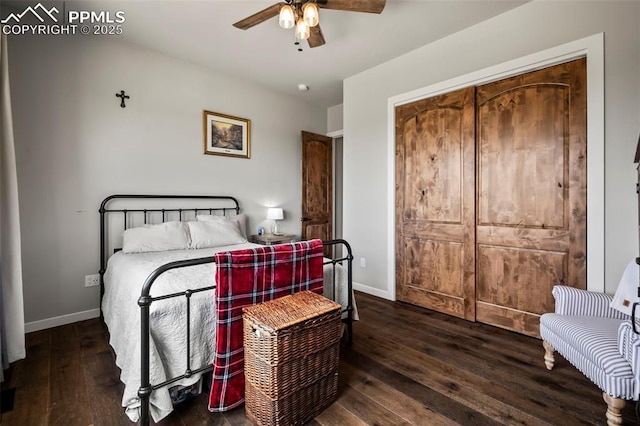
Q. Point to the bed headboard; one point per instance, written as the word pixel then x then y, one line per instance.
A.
pixel 122 211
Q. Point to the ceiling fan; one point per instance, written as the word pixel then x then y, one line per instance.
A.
pixel 303 14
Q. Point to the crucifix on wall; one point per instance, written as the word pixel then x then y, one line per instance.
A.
pixel 122 97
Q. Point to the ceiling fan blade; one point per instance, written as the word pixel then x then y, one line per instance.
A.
pixel 258 18
pixel 315 37
pixel 369 6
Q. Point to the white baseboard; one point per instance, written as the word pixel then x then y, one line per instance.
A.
pixel 30 327
pixel 374 291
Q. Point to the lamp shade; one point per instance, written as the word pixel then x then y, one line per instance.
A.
pixel 310 14
pixel 275 213
pixel 302 30
pixel 286 18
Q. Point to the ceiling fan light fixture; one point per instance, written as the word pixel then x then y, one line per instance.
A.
pixel 302 30
pixel 310 14
pixel 287 17
pixel 304 16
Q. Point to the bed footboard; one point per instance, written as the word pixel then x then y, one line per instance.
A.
pixel 344 260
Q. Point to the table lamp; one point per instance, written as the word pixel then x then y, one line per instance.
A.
pixel 275 214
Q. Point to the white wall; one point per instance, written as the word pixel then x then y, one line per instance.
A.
pixel 75 146
pixel 334 119
pixel 531 28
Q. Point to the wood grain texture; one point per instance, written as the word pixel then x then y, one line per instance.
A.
pixel 531 178
pixel 433 275
pixel 519 150
pixel 68 397
pixel 433 176
pixel 469 372
pixel 316 230
pixel 435 266
pixel 435 196
pixel 103 385
pixel 317 184
pixel 32 380
pixel 445 303
pixel 259 17
pixel 522 141
pixel 518 278
pixel 408 365
pixel 316 38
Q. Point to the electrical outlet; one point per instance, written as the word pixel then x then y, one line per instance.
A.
pixel 363 262
pixel 91 280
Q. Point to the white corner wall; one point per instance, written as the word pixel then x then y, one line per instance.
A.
pixel 334 119
pixel 75 146
pixel 528 29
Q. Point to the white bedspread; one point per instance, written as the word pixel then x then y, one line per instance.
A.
pixel 123 280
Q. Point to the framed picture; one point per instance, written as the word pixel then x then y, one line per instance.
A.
pixel 226 135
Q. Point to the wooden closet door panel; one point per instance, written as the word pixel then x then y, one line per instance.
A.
pixel 435 261
pixel 531 200
pixel 433 193
pixel 522 157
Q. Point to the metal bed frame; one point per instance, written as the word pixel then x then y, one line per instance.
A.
pixel 145 300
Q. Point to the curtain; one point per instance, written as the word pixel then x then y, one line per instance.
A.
pixel 11 296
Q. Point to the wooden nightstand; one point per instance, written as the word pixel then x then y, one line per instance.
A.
pixel 270 239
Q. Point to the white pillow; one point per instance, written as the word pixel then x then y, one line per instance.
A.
pixel 240 219
pixel 627 292
pixel 214 233
pixel 160 237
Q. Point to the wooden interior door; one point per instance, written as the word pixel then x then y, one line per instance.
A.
pixel 435 198
pixel 317 183
pixel 531 199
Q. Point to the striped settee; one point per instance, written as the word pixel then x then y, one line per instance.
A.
pixel 598 340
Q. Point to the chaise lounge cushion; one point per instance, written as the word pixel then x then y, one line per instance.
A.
pixel 591 345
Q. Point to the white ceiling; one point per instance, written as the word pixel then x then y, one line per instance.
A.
pixel 201 32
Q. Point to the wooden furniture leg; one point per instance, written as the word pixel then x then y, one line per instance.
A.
pixel 549 360
pixel 614 409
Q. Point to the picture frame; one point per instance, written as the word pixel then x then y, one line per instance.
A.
pixel 226 135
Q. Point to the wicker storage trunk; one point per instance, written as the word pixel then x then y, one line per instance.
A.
pixel 291 353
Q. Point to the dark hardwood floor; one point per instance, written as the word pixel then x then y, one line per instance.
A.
pixel 407 366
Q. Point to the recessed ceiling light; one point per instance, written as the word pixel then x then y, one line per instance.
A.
pixel 303 87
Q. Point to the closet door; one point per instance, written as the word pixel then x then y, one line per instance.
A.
pixel 435 196
pixel 531 199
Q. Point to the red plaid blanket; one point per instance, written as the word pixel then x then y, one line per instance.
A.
pixel 248 277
